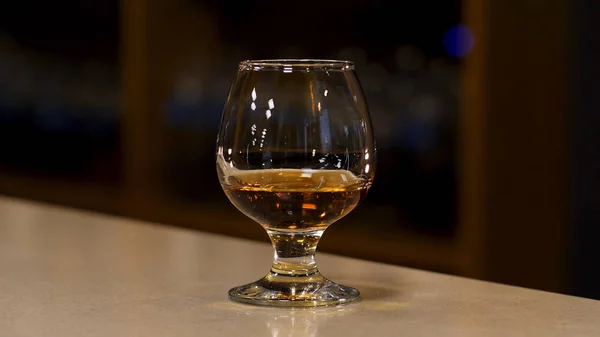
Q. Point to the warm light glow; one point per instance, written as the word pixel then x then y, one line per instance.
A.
pixel 367 168
pixel 309 206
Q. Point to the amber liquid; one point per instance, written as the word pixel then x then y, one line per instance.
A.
pixel 294 199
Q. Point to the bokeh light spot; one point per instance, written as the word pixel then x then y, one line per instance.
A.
pixel 459 41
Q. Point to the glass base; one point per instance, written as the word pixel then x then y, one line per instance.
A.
pixel 292 291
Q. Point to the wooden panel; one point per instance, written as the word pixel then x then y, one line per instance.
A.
pixel 139 115
pixel 515 142
pixel 162 41
pixel 473 155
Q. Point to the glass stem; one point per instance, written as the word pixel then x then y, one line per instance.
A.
pixel 294 253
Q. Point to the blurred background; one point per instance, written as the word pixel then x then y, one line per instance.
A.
pixel 485 115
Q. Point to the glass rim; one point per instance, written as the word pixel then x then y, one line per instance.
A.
pixel 296 64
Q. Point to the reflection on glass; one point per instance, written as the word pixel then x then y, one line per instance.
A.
pixel 299 323
pixel 305 322
pixel 295 153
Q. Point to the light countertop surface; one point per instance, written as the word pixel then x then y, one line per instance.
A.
pixel 69 273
